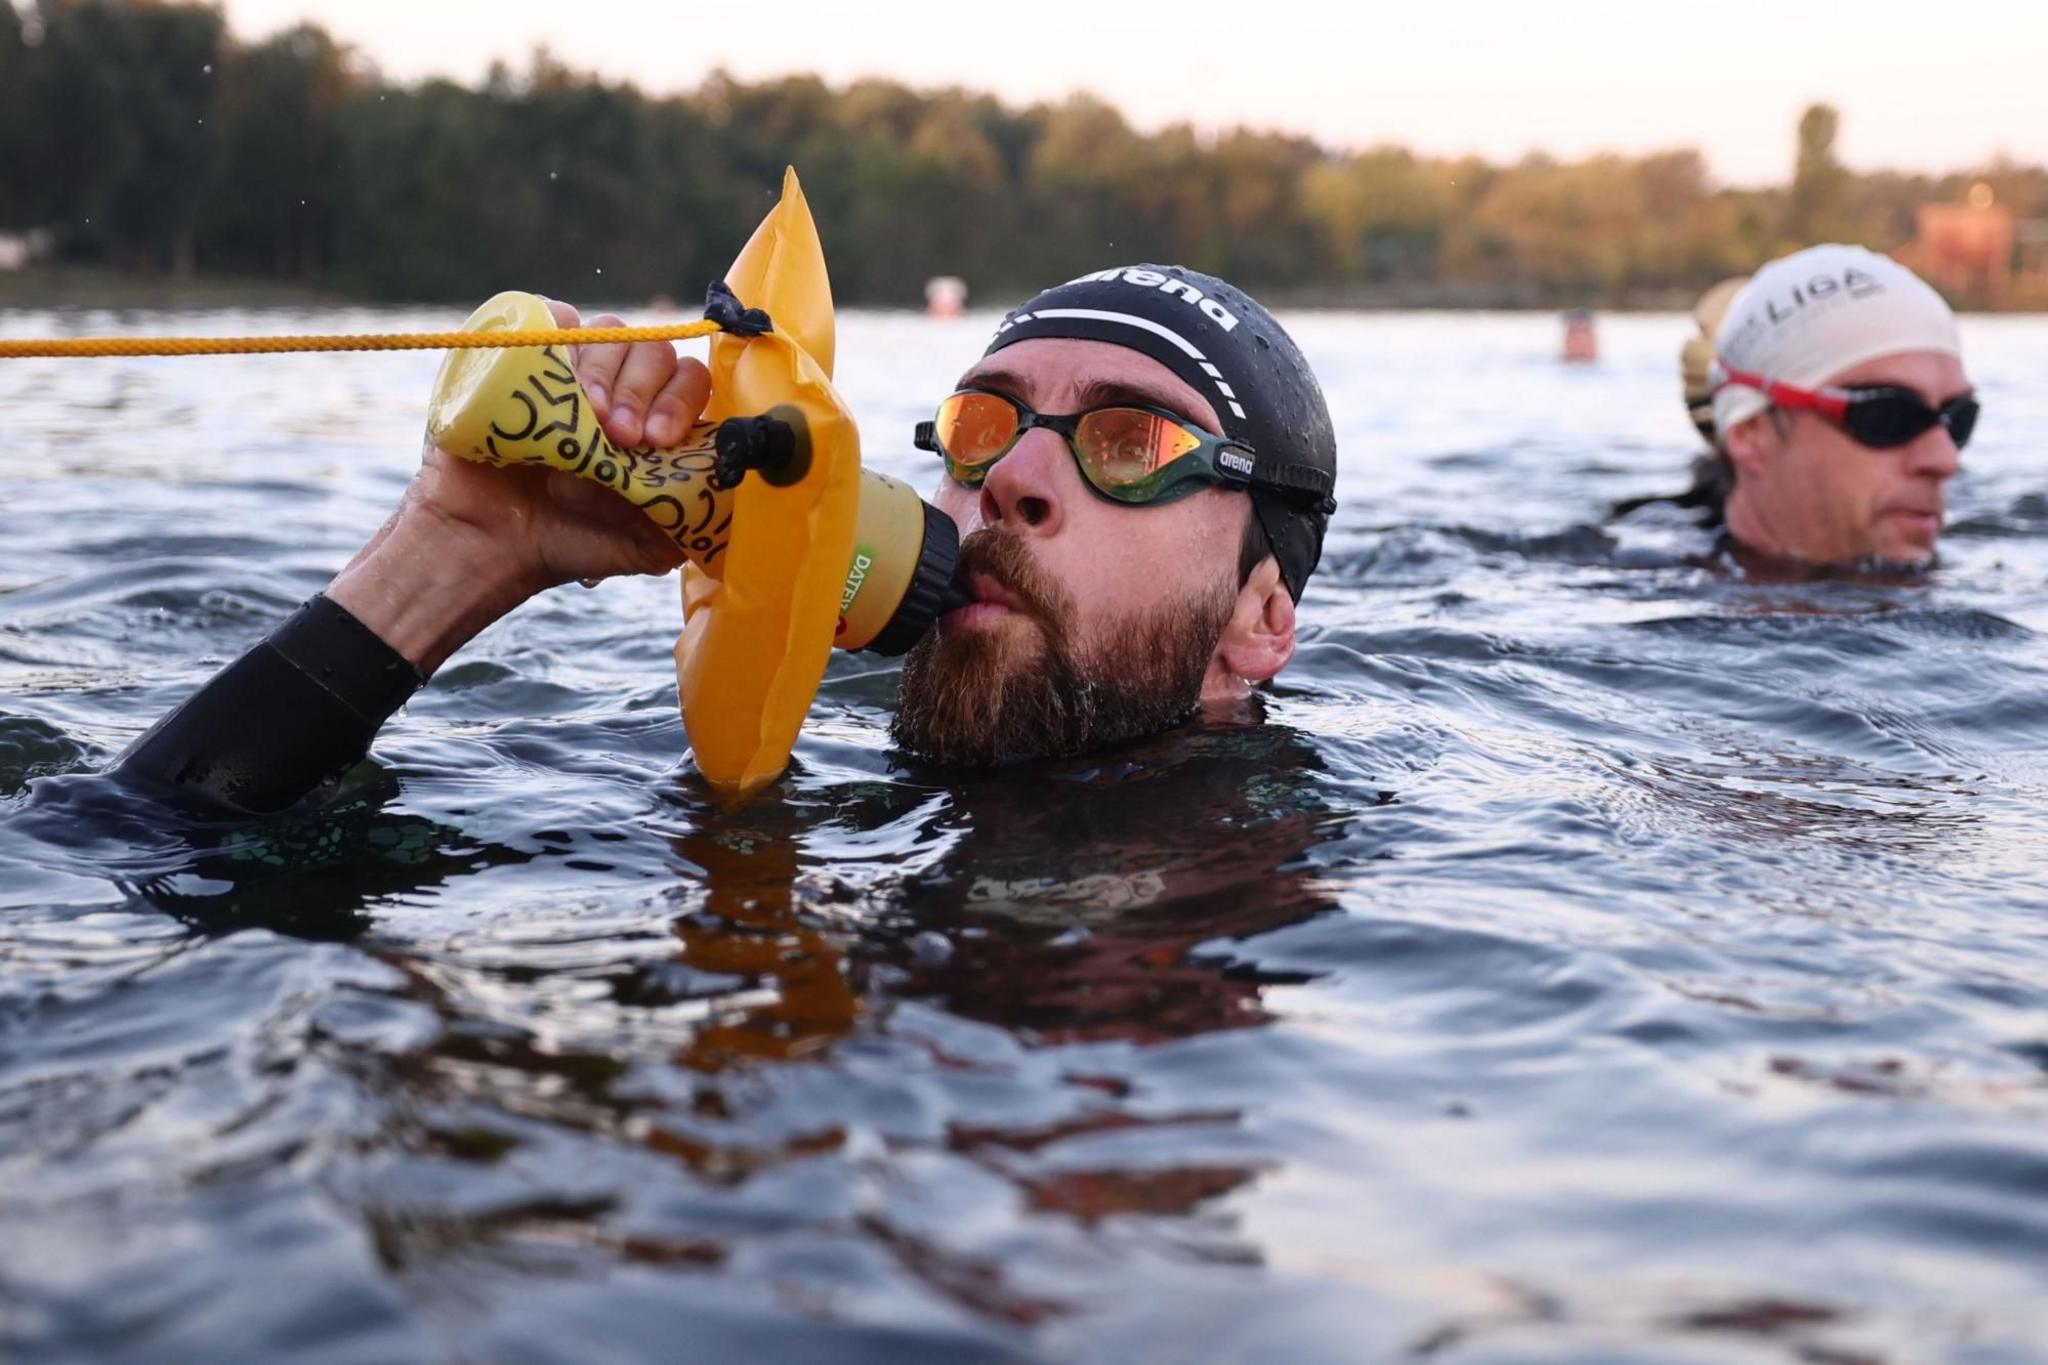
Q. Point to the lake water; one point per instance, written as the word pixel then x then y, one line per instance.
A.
pixel 1589 958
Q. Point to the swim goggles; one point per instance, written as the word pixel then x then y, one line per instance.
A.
pixel 1133 455
pixel 1881 416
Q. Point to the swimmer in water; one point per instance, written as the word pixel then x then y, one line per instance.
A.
pixel 1141 466
pixel 1120 585
pixel 1841 408
pixel 1581 342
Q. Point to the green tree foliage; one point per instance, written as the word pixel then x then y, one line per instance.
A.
pixel 1600 228
pixel 1820 186
pixel 280 156
pixel 144 136
pixel 19 197
pixel 121 110
pixel 1381 214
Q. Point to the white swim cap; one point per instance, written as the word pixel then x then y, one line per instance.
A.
pixel 1805 318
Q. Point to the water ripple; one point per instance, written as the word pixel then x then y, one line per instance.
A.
pixel 1584 955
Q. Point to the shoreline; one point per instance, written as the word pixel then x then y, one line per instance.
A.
pixel 60 287
pixel 90 287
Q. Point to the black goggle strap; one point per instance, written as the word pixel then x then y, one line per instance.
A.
pixel 1242 467
pixel 1310 487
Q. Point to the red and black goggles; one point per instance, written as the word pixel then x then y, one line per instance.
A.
pixel 1881 416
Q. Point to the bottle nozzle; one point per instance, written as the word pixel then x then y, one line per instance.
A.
pixel 776 445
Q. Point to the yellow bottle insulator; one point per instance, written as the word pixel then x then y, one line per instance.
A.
pixel 792 548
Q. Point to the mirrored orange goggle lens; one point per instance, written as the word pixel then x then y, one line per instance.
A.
pixel 1127 446
pixel 974 428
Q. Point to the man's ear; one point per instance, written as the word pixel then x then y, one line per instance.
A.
pixel 1258 640
pixel 1751 443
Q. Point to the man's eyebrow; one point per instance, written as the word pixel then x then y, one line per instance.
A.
pixel 1093 393
pixel 1110 393
pixel 1001 381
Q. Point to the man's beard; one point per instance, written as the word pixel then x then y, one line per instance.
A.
pixel 984 697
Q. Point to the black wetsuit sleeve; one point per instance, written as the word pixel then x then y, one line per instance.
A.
pixel 297 710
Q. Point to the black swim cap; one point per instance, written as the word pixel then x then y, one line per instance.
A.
pixel 1232 352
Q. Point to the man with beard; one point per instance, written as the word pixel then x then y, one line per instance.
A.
pixel 1140 465
pixel 1094 540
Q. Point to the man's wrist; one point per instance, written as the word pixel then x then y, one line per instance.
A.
pixel 427 586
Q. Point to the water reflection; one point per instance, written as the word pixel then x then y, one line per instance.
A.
pixel 1079 909
pixel 1073 909
pixel 1066 907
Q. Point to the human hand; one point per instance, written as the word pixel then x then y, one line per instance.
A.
pixel 470 542
pixel 642 394
pixel 565 527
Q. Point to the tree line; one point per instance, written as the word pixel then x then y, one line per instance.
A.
pixel 144 136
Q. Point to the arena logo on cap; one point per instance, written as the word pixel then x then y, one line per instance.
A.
pixel 1165 284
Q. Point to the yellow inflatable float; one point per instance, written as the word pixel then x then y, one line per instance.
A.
pixel 792 547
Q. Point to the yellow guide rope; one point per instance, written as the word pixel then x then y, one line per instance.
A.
pixel 388 341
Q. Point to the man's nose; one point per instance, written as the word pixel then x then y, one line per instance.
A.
pixel 1934 455
pixel 1027 488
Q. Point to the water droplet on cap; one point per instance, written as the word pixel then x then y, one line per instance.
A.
pixel 931 947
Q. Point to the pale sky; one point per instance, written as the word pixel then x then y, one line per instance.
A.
pixel 1928 86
